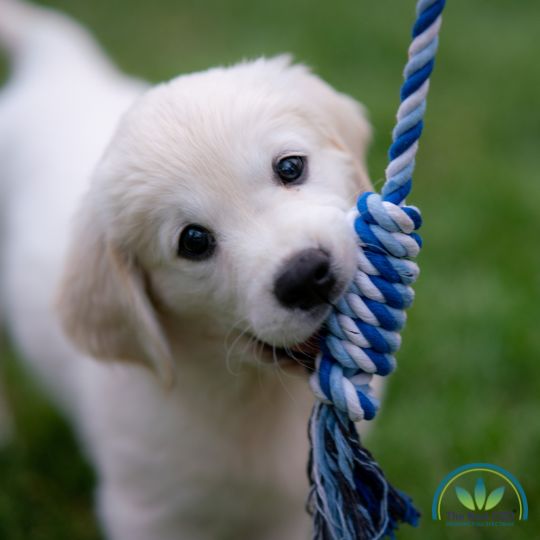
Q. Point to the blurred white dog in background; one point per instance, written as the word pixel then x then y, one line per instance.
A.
pixel 165 268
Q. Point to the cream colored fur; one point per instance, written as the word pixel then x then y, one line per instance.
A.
pixel 195 433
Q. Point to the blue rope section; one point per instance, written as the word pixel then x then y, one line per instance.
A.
pixel 350 498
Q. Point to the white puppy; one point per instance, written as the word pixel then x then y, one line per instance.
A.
pixel 162 266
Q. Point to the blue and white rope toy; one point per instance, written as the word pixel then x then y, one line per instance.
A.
pixel 350 498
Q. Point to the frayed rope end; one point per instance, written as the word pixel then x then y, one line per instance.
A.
pixel 350 498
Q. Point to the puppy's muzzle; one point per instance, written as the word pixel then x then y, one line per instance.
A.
pixel 306 280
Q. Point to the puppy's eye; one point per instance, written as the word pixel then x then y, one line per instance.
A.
pixel 196 243
pixel 290 169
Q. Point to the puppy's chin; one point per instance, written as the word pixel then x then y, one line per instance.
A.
pixel 298 357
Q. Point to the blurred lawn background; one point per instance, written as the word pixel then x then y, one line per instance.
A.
pixel 468 387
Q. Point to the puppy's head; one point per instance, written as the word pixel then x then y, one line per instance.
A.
pixel 220 202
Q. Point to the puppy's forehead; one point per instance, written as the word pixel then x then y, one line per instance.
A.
pixel 206 123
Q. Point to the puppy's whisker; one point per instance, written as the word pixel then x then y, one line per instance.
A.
pixel 253 345
pixel 299 361
pixel 241 321
pixel 280 372
pixel 230 348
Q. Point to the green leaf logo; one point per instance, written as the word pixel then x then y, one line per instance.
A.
pixel 494 498
pixel 480 493
pixel 479 500
pixel 465 498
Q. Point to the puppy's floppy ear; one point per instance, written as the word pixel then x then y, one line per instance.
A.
pixel 342 118
pixel 350 130
pixel 351 124
pixel 103 302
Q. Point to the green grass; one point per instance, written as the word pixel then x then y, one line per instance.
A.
pixel 468 387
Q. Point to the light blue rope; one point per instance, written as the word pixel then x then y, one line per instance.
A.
pixel 363 330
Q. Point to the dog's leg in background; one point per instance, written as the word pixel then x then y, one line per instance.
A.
pixel 58 110
pixel 15 19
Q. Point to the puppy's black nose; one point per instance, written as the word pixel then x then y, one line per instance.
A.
pixel 306 280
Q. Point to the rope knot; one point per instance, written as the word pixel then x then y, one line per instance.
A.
pixel 388 228
pixel 363 331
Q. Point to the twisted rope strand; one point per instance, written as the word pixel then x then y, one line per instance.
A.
pixel 362 332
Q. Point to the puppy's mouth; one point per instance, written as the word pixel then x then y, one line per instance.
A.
pixel 301 354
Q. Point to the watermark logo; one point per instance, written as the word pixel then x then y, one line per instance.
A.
pixel 478 500
pixel 480 495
